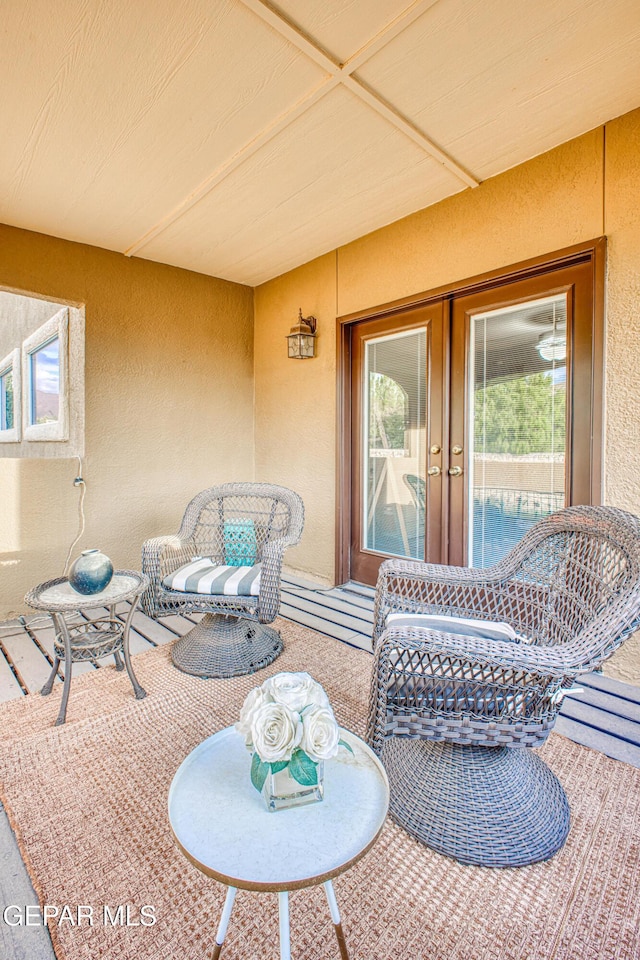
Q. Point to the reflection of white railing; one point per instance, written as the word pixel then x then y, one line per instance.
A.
pixel 518 503
pixel 388 452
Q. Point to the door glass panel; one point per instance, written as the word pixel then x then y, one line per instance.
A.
pixel 517 423
pixel 394 436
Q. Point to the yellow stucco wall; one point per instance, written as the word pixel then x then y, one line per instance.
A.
pixel 622 394
pixel 168 412
pixel 296 405
pixel 551 202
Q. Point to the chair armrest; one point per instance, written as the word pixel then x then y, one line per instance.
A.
pixel 412 586
pixel 559 662
pixel 447 678
pixel 269 598
pixel 161 556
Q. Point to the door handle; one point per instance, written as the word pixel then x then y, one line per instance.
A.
pixel 455 471
pixel 434 471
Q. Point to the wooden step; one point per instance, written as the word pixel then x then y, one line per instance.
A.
pixel 10 689
pixel 590 715
pixel 28 660
pixel 598 740
pixel 327 627
pixel 330 613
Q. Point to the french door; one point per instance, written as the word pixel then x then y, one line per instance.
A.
pixel 397 394
pixel 470 417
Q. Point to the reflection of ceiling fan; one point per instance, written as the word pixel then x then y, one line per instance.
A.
pixel 552 346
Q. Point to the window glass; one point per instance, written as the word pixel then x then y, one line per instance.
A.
pixel 45 383
pixel 394 444
pixel 517 423
pixel 7 420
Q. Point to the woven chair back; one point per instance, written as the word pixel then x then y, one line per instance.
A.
pixel 235 521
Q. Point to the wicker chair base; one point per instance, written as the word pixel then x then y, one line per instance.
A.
pixel 488 806
pixel 226 646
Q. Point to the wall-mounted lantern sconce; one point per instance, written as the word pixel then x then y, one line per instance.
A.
pixel 302 339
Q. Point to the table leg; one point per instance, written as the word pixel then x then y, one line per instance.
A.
pixel 335 916
pixel 63 633
pixel 137 689
pixel 48 687
pixel 224 922
pixel 285 937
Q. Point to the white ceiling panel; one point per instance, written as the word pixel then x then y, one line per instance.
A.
pixel 242 138
pixel 495 84
pixel 117 113
pixel 340 172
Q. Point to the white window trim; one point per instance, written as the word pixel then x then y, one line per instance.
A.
pixel 12 362
pixel 57 326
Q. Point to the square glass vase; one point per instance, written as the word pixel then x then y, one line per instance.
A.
pixel 281 791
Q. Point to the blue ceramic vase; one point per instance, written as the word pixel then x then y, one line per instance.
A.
pixel 91 572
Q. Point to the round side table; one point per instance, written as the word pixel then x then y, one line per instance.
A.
pixel 92 639
pixel 222 825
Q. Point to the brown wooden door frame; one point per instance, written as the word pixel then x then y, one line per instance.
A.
pixel 592 252
pixel 576 282
pixel 364 563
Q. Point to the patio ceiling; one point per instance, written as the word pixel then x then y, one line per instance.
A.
pixel 240 140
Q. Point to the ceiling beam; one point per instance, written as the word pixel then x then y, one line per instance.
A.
pixel 338 74
pixel 293 33
pixel 401 123
pixel 387 34
pixel 223 171
pixel 307 45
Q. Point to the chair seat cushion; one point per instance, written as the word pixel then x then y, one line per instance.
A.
pixel 465 626
pixel 206 577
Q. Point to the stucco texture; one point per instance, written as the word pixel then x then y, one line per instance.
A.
pixel 168 407
pixel 296 406
pixel 551 202
pixel 622 406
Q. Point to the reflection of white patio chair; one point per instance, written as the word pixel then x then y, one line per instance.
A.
pixel 451 708
pixel 418 488
pixel 225 561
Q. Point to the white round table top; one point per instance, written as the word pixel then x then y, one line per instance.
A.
pixel 61 595
pixel 222 824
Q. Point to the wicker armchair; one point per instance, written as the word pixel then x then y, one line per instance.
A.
pixel 451 714
pixel 232 638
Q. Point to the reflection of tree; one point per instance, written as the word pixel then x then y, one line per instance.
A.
pixel 387 412
pixel 525 415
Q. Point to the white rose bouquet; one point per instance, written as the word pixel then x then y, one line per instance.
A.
pixel 288 722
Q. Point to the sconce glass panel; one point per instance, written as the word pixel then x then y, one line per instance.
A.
pixel 301 346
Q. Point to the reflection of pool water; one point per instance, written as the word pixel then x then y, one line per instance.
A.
pixel 502 517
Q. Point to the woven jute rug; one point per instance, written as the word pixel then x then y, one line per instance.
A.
pixel 88 804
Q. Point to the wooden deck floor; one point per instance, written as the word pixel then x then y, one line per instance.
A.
pixel 605 717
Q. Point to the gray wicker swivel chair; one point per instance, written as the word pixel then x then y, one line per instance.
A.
pixel 226 562
pixel 453 716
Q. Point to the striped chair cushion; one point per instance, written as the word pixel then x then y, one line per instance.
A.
pixel 204 576
pixel 441 692
pixel 467 627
